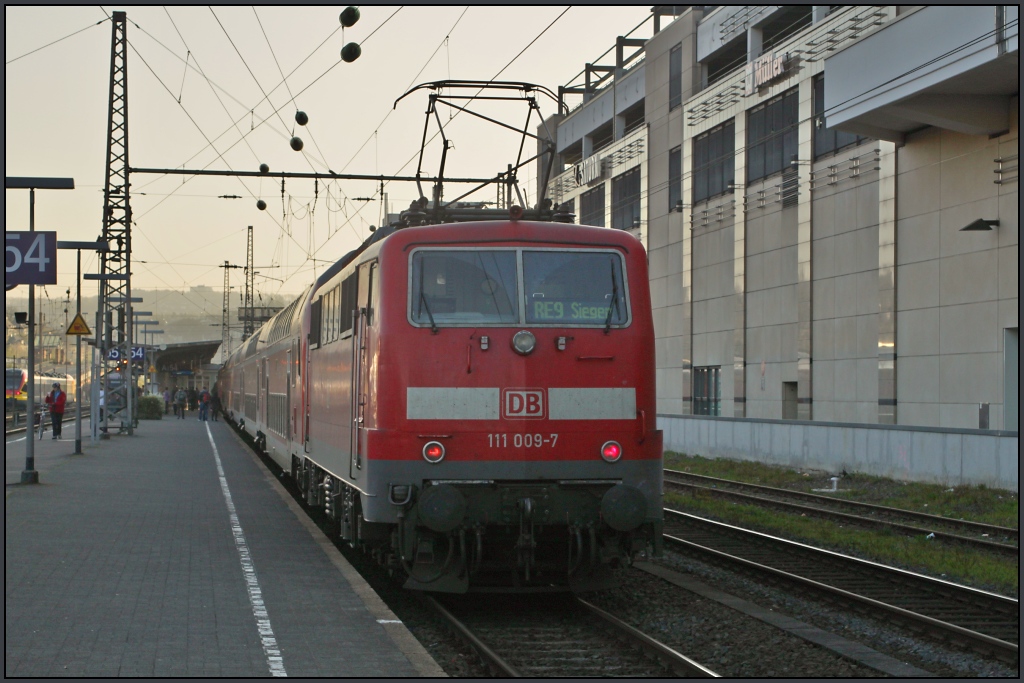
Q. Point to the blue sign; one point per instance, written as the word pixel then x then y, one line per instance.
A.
pixel 138 353
pixel 30 259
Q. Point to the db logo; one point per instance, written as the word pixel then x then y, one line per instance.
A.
pixel 522 404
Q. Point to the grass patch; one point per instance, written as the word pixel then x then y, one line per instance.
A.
pixel 974 503
pixel 962 565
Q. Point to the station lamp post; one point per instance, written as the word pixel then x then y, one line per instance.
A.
pixel 29 475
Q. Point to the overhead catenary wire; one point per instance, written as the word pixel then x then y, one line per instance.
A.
pixel 292 97
pixel 339 202
pixel 249 110
pixel 59 40
pixel 491 80
pixel 247 68
pixel 411 83
pixel 257 125
pixel 209 145
pixel 203 74
pixel 196 124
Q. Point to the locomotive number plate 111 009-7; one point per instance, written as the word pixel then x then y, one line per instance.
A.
pixel 517 440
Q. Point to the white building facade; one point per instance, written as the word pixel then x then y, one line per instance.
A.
pixel 829 200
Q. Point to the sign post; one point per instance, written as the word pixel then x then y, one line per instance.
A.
pixel 78 327
pixel 29 474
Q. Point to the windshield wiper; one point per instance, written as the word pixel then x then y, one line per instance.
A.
pixel 615 299
pixel 423 300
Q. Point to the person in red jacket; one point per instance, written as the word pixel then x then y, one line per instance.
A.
pixel 56 400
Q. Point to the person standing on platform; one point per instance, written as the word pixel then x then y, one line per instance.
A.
pixel 204 405
pixel 214 403
pixel 56 400
pixel 180 399
pixel 167 400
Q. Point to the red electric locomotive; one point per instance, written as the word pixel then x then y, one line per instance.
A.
pixel 474 402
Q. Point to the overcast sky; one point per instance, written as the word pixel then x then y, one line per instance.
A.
pixel 57 101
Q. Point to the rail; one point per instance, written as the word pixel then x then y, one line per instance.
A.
pixel 824 506
pixel 985 621
pixel 558 635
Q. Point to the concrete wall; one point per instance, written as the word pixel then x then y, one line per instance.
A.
pixel 845 294
pixel 771 306
pixel 957 291
pixel 906 59
pixel 942 456
pixel 669 243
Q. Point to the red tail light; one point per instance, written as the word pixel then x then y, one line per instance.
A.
pixel 611 451
pixel 433 452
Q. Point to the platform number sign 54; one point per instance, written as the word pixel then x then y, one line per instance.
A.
pixel 30 259
pixel 138 353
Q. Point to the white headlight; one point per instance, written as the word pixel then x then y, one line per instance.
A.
pixel 523 342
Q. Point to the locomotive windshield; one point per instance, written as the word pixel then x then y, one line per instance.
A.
pixel 564 287
pixel 574 287
pixel 464 287
pixel 13 380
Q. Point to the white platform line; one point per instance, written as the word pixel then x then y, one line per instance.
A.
pixel 275 662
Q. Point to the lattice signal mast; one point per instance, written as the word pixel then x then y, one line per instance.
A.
pixel 114 326
pixel 250 285
pixel 225 319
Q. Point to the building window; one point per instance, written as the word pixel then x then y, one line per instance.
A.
pixel 602 136
pixel 592 207
pixel 707 391
pixel 568 206
pixel 675 77
pixel 573 154
pixel 828 140
pixel 675 178
pixel 633 118
pixel 772 136
pixel 714 168
pixel 626 200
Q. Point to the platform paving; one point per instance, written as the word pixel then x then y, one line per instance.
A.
pixel 126 561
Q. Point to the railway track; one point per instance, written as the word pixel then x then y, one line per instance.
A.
pixel 18 427
pixel 987 622
pixel 558 635
pixel 534 635
pixel 974 534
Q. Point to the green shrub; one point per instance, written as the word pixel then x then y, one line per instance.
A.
pixel 151 408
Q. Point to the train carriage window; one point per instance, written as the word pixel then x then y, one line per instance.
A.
pixel 315 329
pixel 349 288
pixel 464 287
pixel 335 304
pixel 574 288
pixel 328 317
pixel 371 294
pixel 336 312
